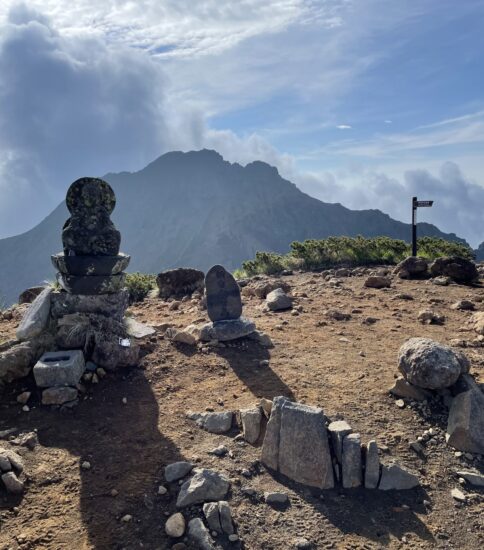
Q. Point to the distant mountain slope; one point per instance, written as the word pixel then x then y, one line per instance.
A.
pixel 195 209
pixel 480 253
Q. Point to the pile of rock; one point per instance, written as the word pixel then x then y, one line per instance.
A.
pixel 431 369
pixel 443 270
pixel 86 318
pixel 298 444
pixel 11 466
pixel 203 487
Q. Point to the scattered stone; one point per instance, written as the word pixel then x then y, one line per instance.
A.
pixel 14 459
pixel 302 544
pixel 59 368
pixel 372 465
pixel 23 397
pixel 477 322
pixel 221 450
pixel 458 269
pixel 200 535
pixel 458 495
pixel 251 421
pixel 278 300
pixel 441 281
pixel 465 426
pixel 351 465
pixel 136 329
pixel 30 294
pixel 215 422
pixel 296 444
pixel 58 395
pixel 36 317
pixel 400 403
pixel 276 498
pixel 261 338
pixel 226 517
pixel 396 477
pixel 12 483
pixel 262 289
pixel 402 388
pixel 86 465
pixel 266 406
pixel 474 478
pixel 162 490
pixel 177 470
pixel 428 364
pixel 464 305
pixel 233 538
pixel 212 515
pixel 205 485
pixel 181 336
pixel 17 360
pixel 337 315
pixel 412 268
pixel 378 281
pixel 127 518
pixel 429 317
pixel 175 525
pixel 179 282
pixel 338 430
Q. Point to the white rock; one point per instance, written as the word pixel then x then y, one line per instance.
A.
pixel 175 525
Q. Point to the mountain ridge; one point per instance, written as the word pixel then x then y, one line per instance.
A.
pixel 197 209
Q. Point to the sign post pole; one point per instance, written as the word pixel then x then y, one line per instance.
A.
pixel 415 204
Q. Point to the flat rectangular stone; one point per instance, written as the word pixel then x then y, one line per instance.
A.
pixel 372 465
pixel 270 447
pixel 352 464
pixel 304 454
pixel 59 368
pixel 36 317
pixel 338 430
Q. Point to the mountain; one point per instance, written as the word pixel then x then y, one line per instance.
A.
pixel 195 209
pixel 480 253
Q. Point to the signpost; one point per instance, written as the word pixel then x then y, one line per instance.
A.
pixel 417 204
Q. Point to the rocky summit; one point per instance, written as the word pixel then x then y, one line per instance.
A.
pixel 337 420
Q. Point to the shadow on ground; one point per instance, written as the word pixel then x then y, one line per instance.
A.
pixel 244 358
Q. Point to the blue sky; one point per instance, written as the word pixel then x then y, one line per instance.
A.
pixel 363 102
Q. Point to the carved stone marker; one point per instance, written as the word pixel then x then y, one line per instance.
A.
pixel 223 295
pixel 91 262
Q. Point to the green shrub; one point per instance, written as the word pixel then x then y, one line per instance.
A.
pixel 139 285
pixel 350 251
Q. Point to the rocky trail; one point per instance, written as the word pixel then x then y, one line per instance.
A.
pixel 95 473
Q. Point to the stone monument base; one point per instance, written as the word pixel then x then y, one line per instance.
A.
pixel 227 330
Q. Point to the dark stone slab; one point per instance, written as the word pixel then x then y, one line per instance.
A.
pixel 223 295
pixel 230 329
pixel 91 284
pixel 183 281
pixel 89 231
pixel 90 265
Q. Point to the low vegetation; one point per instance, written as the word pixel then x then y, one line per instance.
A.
pixel 139 285
pixel 348 251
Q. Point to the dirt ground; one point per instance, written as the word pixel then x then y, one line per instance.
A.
pixel 345 367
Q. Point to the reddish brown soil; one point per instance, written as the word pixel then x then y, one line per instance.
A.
pixel 66 507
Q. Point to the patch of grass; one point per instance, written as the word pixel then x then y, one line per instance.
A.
pixel 139 285
pixel 349 251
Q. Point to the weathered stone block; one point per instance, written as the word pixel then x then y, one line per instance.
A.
pixel 465 426
pixel 351 466
pixel 338 430
pixel 59 368
pixel 110 305
pixel 36 317
pixel 372 465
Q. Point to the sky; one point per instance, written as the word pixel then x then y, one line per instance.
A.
pixel 362 102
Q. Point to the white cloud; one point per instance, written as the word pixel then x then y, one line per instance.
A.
pixel 344 127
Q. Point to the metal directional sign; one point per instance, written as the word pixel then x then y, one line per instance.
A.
pixel 417 204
